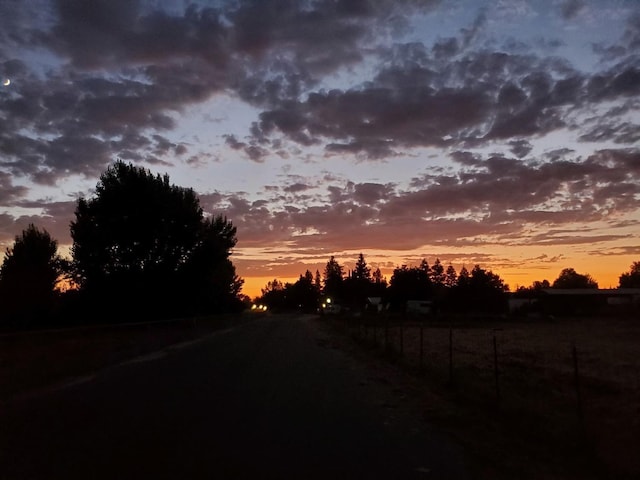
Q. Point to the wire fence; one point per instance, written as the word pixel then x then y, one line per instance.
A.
pixel 575 379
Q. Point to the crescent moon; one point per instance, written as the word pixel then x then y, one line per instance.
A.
pixel 7 82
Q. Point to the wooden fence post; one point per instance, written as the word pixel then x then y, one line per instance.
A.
pixel 421 347
pixel 576 377
pixel 386 334
pixel 451 355
pixel 375 334
pixel 495 368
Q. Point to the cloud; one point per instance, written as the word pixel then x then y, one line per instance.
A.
pixel 571 8
pixel 443 98
pixel 9 193
pixel 494 200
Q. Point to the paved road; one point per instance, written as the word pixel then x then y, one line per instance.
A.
pixel 270 399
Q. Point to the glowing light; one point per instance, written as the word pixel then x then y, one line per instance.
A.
pixel 6 82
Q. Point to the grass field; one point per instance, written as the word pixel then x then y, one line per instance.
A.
pixel 34 360
pixel 565 391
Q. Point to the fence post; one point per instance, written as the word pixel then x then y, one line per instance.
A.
pixel 576 377
pixel 375 333
pixel 421 347
pixel 451 355
pixel 386 334
pixel 401 339
pixel 495 368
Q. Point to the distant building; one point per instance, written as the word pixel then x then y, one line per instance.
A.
pixel 578 301
pixel 421 307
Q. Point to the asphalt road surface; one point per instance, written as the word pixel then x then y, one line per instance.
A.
pixel 268 399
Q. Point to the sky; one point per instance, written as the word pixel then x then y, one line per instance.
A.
pixel 503 133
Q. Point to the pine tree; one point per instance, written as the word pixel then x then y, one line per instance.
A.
pixel 451 277
pixel 437 273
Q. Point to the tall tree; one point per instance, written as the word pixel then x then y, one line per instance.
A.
pixel 437 273
pixel 463 277
pixel 274 295
pixel 358 286
pixel 487 280
pixel 379 283
pixel 480 291
pixel 303 295
pixel 631 279
pixel 424 267
pixel 146 242
pixel 333 278
pixel 450 277
pixel 409 283
pixel 569 278
pixel 362 270
pixel 28 276
pixel 274 285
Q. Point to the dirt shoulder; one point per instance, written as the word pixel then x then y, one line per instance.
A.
pixel 33 361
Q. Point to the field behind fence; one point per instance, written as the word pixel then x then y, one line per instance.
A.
pixel 566 382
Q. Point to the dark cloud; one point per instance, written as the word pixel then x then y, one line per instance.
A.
pixel 296 188
pixel 9 193
pixel 495 200
pixel 623 133
pixel 106 33
pixel 520 148
pixel 571 8
pixel 372 193
pixel 273 54
pixel 411 101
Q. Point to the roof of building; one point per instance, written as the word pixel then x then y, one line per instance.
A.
pixel 592 291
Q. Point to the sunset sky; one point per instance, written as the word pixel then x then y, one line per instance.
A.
pixel 500 133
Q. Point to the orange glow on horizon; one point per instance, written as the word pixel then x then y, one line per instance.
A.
pixel 604 270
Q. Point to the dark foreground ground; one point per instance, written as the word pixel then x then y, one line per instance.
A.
pixel 268 399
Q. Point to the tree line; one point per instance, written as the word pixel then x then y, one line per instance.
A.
pixel 478 290
pixel 142 248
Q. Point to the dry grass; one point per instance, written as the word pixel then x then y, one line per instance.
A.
pixel 536 411
pixel 35 360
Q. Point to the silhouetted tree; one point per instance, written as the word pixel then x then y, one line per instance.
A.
pixel 28 276
pixel 274 285
pixel 569 278
pixel 274 295
pixel 303 294
pixel 208 278
pixel 317 282
pixel 424 267
pixel 409 283
pixel 463 277
pixel 145 243
pixel 540 285
pixel 362 270
pixel 359 285
pixel 631 279
pixel 379 284
pixel 450 277
pixel 481 291
pixel 333 278
pixel 437 274
pixel 533 290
